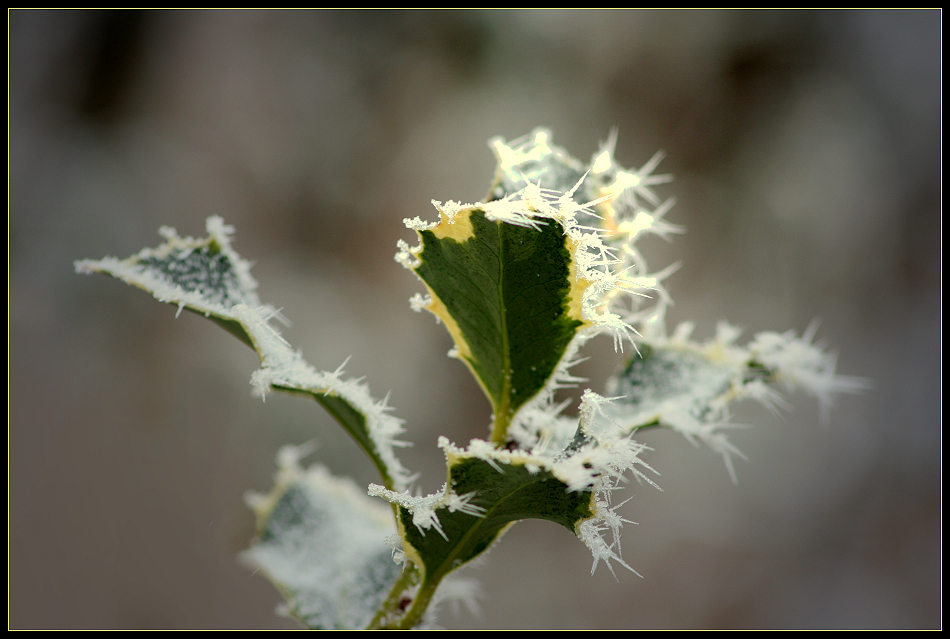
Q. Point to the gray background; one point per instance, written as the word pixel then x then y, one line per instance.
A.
pixel 805 147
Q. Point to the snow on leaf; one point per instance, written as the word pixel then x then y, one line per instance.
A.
pixel 520 281
pixel 321 542
pixel 205 276
pixel 688 386
pixel 487 491
pixel 798 363
pixel 347 400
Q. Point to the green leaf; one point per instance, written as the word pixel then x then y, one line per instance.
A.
pixel 521 280
pixel 504 493
pixel 204 276
pixel 321 543
pixel 505 293
pixel 357 421
pixel 488 490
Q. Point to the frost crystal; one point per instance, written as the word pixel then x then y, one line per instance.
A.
pixel 282 367
pixel 423 509
pixel 688 386
pixel 798 363
pixel 205 275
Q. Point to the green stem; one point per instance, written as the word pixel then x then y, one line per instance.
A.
pixel 499 429
pixel 419 607
pixel 390 612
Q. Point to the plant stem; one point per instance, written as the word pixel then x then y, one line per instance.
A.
pixel 419 607
pixel 392 608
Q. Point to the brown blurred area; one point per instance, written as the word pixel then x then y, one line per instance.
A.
pixel 806 151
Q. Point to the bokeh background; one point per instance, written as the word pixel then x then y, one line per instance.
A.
pixel 806 151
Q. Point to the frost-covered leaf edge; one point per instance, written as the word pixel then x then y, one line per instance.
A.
pixel 136 272
pixel 347 400
pixel 738 373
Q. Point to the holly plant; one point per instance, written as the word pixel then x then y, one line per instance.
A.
pixel 521 281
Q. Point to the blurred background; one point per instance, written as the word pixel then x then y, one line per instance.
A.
pixel 806 151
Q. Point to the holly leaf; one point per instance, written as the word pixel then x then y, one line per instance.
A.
pixel 321 543
pixel 501 493
pixel 204 276
pixel 688 386
pixel 505 293
pixel 488 490
pixel 208 277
